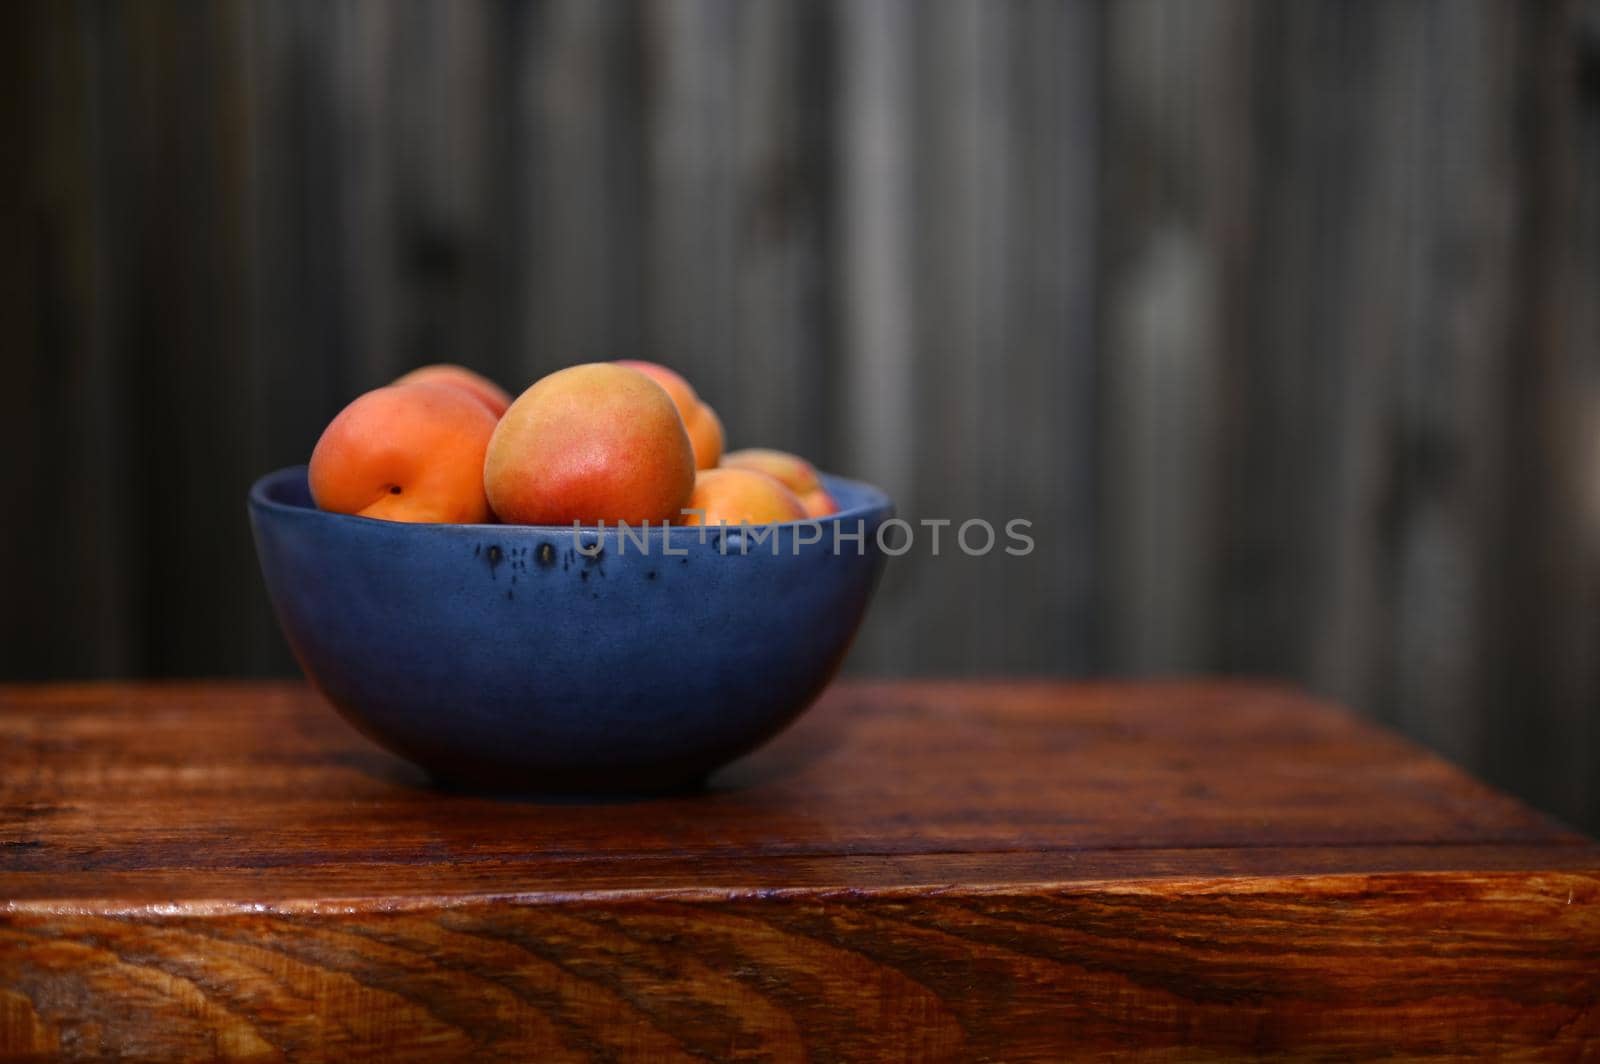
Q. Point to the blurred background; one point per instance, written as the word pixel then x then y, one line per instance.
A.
pixel 1279 320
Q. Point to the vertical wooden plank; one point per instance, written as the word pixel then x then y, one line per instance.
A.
pixel 349 67
pixel 1388 332
pixel 1377 355
pixel 1002 242
pixel 1040 426
pixel 962 133
pixel 1543 737
pixel 1179 159
pixel 690 236
pixel 401 105
pixel 305 313
pixel 1369 333
pixel 1286 374
pixel 872 255
pixel 578 185
pixel 872 247
pixel 1584 248
pixel 1584 234
pixel 441 79
pixel 773 389
pixel 1451 185
pixel 170 153
pixel 1361 451
pixel 66 591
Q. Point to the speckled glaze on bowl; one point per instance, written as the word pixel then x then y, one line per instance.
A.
pixel 501 657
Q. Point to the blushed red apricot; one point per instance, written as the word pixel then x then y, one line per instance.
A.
pixel 699 420
pixel 740 496
pixel 797 474
pixel 591 443
pixel 487 391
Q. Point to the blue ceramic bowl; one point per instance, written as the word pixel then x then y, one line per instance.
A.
pixel 513 657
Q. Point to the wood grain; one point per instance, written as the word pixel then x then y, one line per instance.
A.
pixel 1019 871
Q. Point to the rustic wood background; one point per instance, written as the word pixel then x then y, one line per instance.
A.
pixel 1281 321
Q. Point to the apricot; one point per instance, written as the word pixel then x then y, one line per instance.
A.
pixel 797 474
pixel 740 497
pixel 408 452
pixel 487 391
pixel 706 436
pixel 699 420
pixel 591 443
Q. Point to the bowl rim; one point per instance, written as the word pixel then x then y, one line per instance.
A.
pixel 877 502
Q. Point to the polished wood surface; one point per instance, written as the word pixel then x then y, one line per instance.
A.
pixel 1021 870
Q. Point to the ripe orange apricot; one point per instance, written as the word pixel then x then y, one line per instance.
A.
pixel 819 503
pixel 797 474
pixel 699 420
pixel 740 496
pixel 487 391
pixel 705 434
pixel 591 443
pixel 408 452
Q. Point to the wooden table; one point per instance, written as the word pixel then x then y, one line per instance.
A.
pixel 928 871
